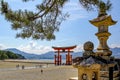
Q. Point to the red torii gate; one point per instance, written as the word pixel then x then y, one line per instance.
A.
pixel 58 58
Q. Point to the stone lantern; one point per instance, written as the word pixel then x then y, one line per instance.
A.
pixel 94 67
pixel 103 23
pixel 99 65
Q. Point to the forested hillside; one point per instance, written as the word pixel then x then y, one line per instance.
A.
pixel 9 55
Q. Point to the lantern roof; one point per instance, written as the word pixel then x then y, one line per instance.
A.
pixel 94 60
pixel 103 21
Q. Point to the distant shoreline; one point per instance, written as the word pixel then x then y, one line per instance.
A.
pixel 30 61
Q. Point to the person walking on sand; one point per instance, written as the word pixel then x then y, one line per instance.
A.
pixel 41 71
pixel 23 67
pixel 17 66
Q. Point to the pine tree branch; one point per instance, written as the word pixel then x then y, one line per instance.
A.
pixel 40 25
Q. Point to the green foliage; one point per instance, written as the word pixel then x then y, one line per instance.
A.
pixel 89 4
pixel 10 55
pixel 36 25
pixel 3 55
pixel 43 23
pixel 100 5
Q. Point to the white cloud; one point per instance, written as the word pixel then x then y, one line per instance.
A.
pixel 79 48
pixel 33 47
pixel 14 0
pixel 72 6
pixel 2 47
pixel 76 16
pixel 114 45
pixel 75 10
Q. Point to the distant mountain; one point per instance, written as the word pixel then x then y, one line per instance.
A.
pixel 10 55
pixel 25 54
pixel 76 54
pixel 50 55
pixel 116 52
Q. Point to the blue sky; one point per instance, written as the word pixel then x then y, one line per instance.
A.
pixel 76 30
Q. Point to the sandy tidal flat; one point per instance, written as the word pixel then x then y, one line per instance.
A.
pixel 49 73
